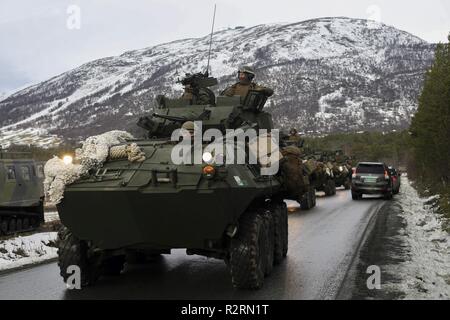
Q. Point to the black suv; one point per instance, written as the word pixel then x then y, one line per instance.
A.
pixel 371 178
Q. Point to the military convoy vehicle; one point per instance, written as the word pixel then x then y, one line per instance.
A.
pixel 342 170
pixel 303 177
pixel 21 193
pixel 321 171
pixel 226 211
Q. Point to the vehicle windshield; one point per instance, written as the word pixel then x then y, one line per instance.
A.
pixel 370 168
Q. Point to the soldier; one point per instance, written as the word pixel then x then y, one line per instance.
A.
pixel 197 96
pixel 241 88
pixel 196 89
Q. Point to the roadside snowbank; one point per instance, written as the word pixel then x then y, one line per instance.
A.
pixel 426 272
pixel 22 251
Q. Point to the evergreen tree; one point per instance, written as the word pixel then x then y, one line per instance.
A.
pixel 430 128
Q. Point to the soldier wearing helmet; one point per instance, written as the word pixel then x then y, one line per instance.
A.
pixel 246 75
pixel 190 127
pixel 293 135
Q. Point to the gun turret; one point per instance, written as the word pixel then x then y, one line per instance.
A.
pixel 198 80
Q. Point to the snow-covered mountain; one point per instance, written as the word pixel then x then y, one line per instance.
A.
pixel 329 74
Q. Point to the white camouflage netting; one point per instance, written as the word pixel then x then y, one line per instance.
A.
pixel 93 153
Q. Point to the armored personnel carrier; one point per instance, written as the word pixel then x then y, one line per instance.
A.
pixel 342 170
pixel 21 193
pixel 321 171
pixel 217 209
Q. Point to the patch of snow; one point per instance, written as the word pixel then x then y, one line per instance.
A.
pixel 29 136
pixel 22 251
pixel 426 273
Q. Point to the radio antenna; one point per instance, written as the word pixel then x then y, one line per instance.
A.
pixel 210 40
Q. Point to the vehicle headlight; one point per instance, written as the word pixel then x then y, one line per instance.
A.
pixel 67 160
pixel 207 157
pixel 341 168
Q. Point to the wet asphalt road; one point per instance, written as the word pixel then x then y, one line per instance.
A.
pixel 323 243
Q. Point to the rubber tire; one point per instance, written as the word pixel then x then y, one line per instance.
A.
pixel 388 196
pixel 12 225
pixel 19 225
pixel 26 224
pixel 113 266
pixel 330 188
pixel 306 201
pixel 333 187
pixel 4 227
pixel 285 228
pixel 278 235
pixel 356 196
pixel 270 228
pixel 248 252
pixel 312 193
pixel 72 251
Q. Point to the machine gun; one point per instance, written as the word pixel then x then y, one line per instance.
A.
pixel 155 128
pixel 198 80
pixel 196 88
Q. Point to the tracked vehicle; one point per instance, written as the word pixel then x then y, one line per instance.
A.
pixel 122 210
pixel 21 193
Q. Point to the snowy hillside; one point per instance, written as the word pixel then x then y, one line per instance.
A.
pixel 329 74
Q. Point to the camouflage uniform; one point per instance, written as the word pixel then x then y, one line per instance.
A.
pixel 241 88
pixel 294 136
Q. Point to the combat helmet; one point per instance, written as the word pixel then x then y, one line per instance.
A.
pixel 247 70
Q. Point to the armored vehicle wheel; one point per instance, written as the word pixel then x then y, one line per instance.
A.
pixel 113 266
pixel 281 233
pixel 4 227
pixel 34 223
pixel 284 221
pixel 12 225
pixel 269 220
pixel 330 188
pixel 333 187
pixel 26 224
pixel 306 201
pixel 19 226
pixel 248 252
pixel 73 252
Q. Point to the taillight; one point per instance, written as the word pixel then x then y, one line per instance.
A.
pixel 353 173
pixel 209 171
pixel 386 175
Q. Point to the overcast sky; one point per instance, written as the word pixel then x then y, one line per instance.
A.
pixel 40 39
